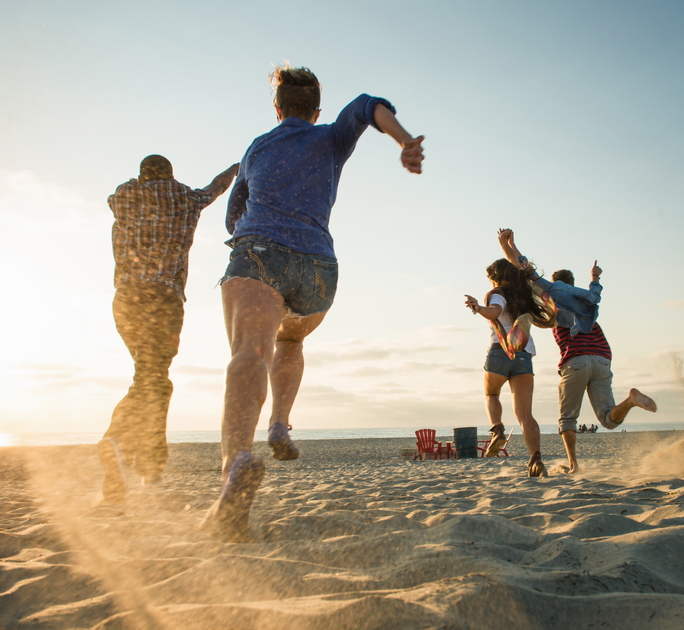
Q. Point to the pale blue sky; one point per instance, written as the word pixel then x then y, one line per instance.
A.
pixel 561 120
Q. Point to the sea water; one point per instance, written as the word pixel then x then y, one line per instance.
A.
pixel 176 437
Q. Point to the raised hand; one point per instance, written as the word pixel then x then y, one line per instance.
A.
pixel 505 235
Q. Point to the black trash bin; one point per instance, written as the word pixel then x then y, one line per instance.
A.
pixel 465 442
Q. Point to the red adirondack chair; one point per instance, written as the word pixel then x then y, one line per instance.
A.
pixel 427 444
pixel 485 444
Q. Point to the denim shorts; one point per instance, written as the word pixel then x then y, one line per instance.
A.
pixel 497 361
pixel 307 282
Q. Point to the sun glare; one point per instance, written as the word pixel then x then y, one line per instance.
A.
pixel 5 439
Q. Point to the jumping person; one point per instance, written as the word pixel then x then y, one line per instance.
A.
pixel 585 354
pixel 282 275
pixel 511 307
pixel 155 217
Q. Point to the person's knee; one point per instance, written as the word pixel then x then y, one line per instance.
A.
pixel 289 343
pixel 525 418
pixel 249 363
pixel 523 411
pixel 609 418
pixel 252 346
pixel 250 355
pixel 152 372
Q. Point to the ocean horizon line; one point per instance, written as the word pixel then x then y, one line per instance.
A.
pixel 177 437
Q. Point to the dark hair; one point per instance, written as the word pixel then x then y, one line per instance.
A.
pixel 298 92
pixel 564 275
pixel 516 286
pixel 155 167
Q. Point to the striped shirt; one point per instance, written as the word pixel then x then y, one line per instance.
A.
pixel 154 226
pixel 581 344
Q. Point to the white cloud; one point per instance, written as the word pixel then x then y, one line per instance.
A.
pixel 444 330
pixel 212 387
pixel 673 304
pixel 436 290
pixel 198 370
pixel 28 201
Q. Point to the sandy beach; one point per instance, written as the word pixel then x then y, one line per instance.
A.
pixel 352 536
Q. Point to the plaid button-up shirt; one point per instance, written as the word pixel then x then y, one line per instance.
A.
pixel 154 225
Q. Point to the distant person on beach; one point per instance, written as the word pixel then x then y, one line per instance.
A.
pixel 511 307
pixel 585 354
pixel 155 217
pixel 282 275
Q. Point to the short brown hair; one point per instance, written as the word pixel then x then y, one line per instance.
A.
pixel 298 92
pixel 155 167
pixel 564 275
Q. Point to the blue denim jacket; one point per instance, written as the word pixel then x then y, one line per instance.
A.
pixel 577 308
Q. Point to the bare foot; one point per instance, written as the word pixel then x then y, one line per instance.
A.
pixel 228 518
pixel 641 400
pixel 572 468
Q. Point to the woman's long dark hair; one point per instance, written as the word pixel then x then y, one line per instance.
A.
pixel 516 286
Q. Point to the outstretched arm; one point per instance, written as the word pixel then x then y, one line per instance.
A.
pixel 511 251
pixel 513 255
pixel 593 294
pixel 412 151
pixel 222 182
pixel 488 312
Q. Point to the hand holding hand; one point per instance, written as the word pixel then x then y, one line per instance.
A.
pixel 412 155
pixel 505 235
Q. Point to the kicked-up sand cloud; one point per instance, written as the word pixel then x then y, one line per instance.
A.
pixel 352 536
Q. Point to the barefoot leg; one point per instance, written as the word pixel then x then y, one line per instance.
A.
pixel 570 443
pixel 635 399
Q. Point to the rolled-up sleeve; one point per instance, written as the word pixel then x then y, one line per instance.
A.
pixel 595 291
pixel 355 118
pixel 200 197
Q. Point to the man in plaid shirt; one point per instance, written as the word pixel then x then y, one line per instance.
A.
pixel 155 217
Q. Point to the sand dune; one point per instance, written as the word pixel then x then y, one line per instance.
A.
pixel 351 536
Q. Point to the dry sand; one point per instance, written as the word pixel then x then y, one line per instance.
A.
pixel 351 536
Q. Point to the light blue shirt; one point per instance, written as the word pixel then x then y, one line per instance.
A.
pixel 577 308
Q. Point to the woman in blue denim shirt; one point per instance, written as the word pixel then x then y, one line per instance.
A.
pixel 282 275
